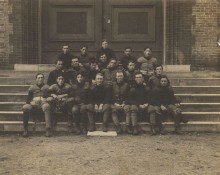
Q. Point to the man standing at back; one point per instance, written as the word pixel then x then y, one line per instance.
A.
pixel 66 57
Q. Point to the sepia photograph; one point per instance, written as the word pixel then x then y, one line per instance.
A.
pixel 109 87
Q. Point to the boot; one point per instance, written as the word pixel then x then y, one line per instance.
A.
pixel 84 129
pixel 162 130
pixel 118 129
pixel 183 120
pixel 78 129
pixel 104 127
pixel 70 128
pixel 135 130
pixel 177 130
pixel 48 132
pixel 153 130
pixel 25 133
pixel 128 129
pixel 92 127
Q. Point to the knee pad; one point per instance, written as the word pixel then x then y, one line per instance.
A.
pixel 75 109
pixel 27 108
pixel 46 107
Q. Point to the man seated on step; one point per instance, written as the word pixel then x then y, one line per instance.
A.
pixel 36 100
pixel 76 67
pixel 130 72
pixel 58 97
pixel 99 100
pixel 66 57
pixel 54 73
pixel 138 101
pixel 146 63
pixel 162 101
pixel 154 80
pixel 120 90
pixel 110 72
pixel 154 83
pixel 78 98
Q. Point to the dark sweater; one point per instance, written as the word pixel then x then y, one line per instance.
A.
pixel 66 58
pixel 139 94
pixel 100 94
pixel 120 92
pixel 53 76
pixel 125 60
pixel 109 53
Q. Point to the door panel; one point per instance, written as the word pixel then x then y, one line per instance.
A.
pixel 70 22
pixel 123 23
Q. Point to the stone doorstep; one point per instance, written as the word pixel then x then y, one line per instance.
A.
pixel 63 127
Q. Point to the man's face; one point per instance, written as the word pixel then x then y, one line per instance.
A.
pixel 158 70
pixel 75 62
pixel 60 81
pixel 83 50
pixel 128 52
pixel 103 58
pixel 147 52
pixel 131 66
pixel 139 78
pixel 119 77
pixel 59 65
pixel 65 49
pixel 40 79
pixel 112 64
pixel 93 66
pixel 105 44
pixel 79 78
pixel 163 82
pixel 99 79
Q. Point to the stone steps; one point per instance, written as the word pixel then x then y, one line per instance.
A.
pixel 17 126
pixel 190 116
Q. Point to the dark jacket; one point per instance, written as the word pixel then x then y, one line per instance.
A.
pixel 73 72
pixel 109 53
pixel 100 94
pixel 162 96
pixel 90 74
pixel 125 60
pixel 120 92
pixel 66 58
pixel 139 94
pixel 59 90
pixel 79 93
pixel 53 76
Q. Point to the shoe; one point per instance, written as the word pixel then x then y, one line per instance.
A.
pixel 25 133
pixel 162 130
pixel 153 130
pixel 183 120
pixel 135 130
pixel 48 132
pixel 118 129
pixel 78 131
pixel 104 127
pixel 92 127
pixel 178 131
pixel 128 129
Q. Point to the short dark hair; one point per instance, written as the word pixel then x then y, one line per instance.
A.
pixel 157 65
pixel 104 40
pixel 148 48
pixel 164 76
pixel 38 74
pixel 85 47
pixel 99 74
pixel 137 73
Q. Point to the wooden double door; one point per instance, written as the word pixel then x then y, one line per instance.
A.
pixel 123 23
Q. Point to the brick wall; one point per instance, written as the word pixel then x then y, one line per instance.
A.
pixel 192 33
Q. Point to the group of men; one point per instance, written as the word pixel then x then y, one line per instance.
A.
pixel 83 87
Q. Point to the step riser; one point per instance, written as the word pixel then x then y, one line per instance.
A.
pixel 14 89
pixel 144 127
pixel 191 117
pixel 13 98
pixel 200 99
pixel 196 90
pixel 195 82
pixel 200 108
